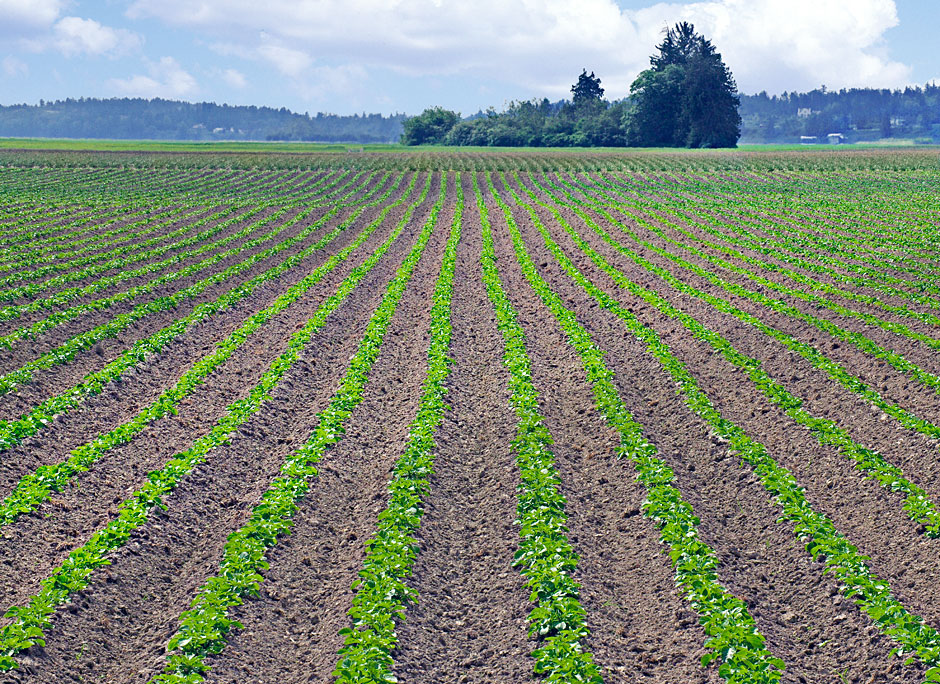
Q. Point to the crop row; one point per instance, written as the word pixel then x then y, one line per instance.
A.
pixel 833 224
pixel 24 233
pixel 923 294
pixel 32 619
pixel 733 638
pixel 835 370
pixel 74 293
pixel 101 244
pixel 805 295
pixel 381 591
pixel 90 230
pixel 873 464
pixel 546 557
pixel 30 423
pixel 205 626
pixel 118 262
pixel 842 559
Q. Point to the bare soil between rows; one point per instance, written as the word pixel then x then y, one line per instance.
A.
pixel 121 623
pixel 72 515
pixel 469 624
pixel 798 608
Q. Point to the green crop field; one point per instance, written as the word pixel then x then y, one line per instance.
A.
pixel 328 413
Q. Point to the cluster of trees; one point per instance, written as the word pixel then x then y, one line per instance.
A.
pixel 579 123
pixel 687 98
pixel 858 113
pixel 158 119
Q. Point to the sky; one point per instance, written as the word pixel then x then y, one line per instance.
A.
pixel 349 56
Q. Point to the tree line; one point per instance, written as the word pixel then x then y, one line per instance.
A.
pixel 858 113
pixel 687 98
pixel 158 119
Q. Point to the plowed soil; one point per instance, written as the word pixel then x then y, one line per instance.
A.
pixel 469 624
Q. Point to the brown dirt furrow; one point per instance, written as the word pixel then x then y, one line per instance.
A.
pixel 31 317
pixel 693 227
pixel 116 629
pixel 139 387
pixel 51 381
pixel 469 624
pixel 292 630
pixel 876 520
pixel 364 189
pixel 798 608
pixel 823 396
pixel 25 350
pixel 891 384
pixel 641 630
pixel 41 540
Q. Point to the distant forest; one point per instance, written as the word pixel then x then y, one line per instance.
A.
pixel 136 118
pixel 858 114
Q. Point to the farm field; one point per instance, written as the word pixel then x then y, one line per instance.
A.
pixel 372 415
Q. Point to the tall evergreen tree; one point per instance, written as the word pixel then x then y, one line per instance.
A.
pixel 688 98
pixel 587 89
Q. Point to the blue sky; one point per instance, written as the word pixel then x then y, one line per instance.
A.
pixel 346 56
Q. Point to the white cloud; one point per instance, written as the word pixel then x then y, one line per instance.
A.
pixel 541 45
pixel 796 44
pixel 234 78
pixel 288 61
pixel 14 67
pixel 19 18
pixel 165 78
pixel 74 35
pixel 324 81
pixel 311 80
pixel 36 26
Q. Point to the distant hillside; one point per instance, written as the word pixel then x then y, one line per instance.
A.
pixel 859 114
pixel 158 119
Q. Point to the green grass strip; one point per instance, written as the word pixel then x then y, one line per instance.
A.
pixel 545 556
pixel 32 619
pixel 13 432
pixel 733 638
pixel 842 559
pixel 381 592
pixel 205 627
